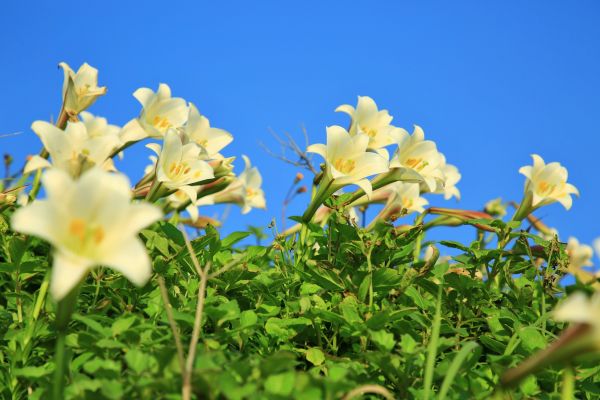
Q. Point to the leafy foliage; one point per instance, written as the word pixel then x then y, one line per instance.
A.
pixel 348 308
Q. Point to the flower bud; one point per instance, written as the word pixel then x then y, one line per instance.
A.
pixel 495 208
pixel 80 89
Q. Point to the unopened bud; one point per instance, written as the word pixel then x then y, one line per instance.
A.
pixel 495 208
pixel 7 159
pixel 298 177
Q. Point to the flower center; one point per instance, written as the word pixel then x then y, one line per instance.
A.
pixel 371 132
pixel 417 164
pixel 177 170
pixel 160 122
pixel 344 166
pixel 407 202
pixel 545 189
pixel 85 233
pixel 83 90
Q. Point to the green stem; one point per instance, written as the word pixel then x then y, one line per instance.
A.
pixel 432 346
pixel 325 190
pixel 39 302
pixel 58 381
pixel 419 240
pixel 153 192
pixel 525 208
pixel 64 310
pixel 568 384
pixel 370 265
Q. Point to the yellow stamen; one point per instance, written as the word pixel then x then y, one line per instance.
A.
pixel 160 122
pixel 416 163
pixel 344 166
pixel 77 228
pixel 371 132
pixel 545 188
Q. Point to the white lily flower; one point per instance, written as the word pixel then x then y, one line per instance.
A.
pixel 403 198
pixel 98 126
pixel 180 165
pixel 578 308
pixel 375 123
pixel 548 183
pixel 597 246
pixel 347 160
pixel 181 197
pixel 244 191
pixel 160 111
pixel 72 150
pixel 451 177
pixel 580 255
pixel 80 89
pixel 198 130
pixel 89 222
pixel 420 158
pixel 406 196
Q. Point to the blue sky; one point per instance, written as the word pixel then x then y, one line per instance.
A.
pixel 490 82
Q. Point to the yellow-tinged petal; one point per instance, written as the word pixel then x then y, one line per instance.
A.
pixel 68 270
pixel 130 259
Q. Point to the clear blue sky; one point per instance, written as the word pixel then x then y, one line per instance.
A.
pixel 490 82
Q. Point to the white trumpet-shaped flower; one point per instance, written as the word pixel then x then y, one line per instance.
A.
pixel 244 191
pixel 452 176
pixel 375 123
pixel 180 165
pixel 597 246
pixel 405 196
pixel 89 222
pixel 72 150
pixel 347 159
pixel 198 130
pixel 80 89
pixel 179 198
pixel 580 255
pixel 420 158
pixel 98 126
pixel 578 308
pixel 548 183
pixel 160 111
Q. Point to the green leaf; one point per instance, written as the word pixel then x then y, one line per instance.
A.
pixel 285 328
pixel 383 339
pixel 248 318
pixel 363 289
pixel 280 384
pixel 32 372
pixel 233 238
pixel 315 356
pixel 138 361
pixel 532 339
pixel 121 325
pixel 457 362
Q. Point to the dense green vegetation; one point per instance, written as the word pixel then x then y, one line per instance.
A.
pixel 284 321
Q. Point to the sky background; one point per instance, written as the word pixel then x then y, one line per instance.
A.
pixel 490 82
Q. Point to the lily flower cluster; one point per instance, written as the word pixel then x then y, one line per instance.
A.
pixel 353 155
pixel 91 215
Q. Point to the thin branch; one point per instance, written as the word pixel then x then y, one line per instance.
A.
pixel 290 144
pixel 376 389
pixel 172 323
pixel 224 268
pixel 10 134
pixel 186 388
